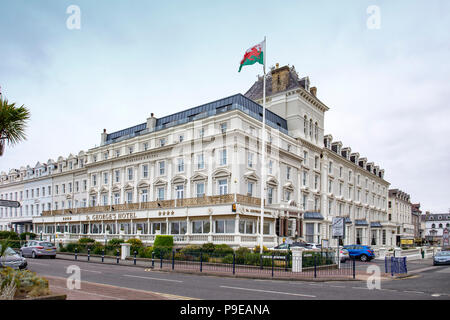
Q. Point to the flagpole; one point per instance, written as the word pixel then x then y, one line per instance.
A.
pixel 263 151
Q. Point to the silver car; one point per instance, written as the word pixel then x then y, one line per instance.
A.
pixel 12 259
pixel 442 257
pixel 36 249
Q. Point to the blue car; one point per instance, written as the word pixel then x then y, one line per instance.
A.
pixel 357 251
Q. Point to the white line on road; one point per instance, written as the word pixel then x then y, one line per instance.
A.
pixel 338 286
pixel 414 292
pixel 40 264
pixel 131 276
pixel 91 271
pixel 267 291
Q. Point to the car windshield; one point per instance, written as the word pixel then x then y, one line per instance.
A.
pixel 444 253
pixel 9 252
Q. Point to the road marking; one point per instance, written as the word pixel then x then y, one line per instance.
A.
pixel 414 291
pixel 131 276
pixel 91 271
pixel 360 288
pixel 338 286
pixel 268 291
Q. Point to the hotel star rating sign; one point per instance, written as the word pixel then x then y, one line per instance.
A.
pixel 9 204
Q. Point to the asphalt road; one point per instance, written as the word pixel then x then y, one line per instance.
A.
pixel 432 284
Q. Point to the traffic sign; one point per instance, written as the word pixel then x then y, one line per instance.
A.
pixel 338 227
pixel 9 203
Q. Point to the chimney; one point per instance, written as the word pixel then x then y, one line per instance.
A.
pixel 313 91
pixel 151 123
pixel 280 79
pixel 104 135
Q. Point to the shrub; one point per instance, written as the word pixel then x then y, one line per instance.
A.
pixel 136 244
pixel 208 247
pixel 86 241
pixel 145 252
pixel 32 236
pixel 9 235
pixel 28 284
pixel 163 245
pixel 257 249
pixel 70 247
pixel 115 242
pixel 223 250
pixel 242 250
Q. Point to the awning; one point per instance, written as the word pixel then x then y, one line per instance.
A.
pixel 347 220
pixel 22 222
pixel 375 225
pixel 361 223
pixel 313 215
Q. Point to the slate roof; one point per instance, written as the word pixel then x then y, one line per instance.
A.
pixel 256 91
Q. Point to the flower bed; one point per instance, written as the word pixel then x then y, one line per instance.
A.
pixel 21 284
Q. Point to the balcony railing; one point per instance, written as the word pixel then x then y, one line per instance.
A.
pixel 162 204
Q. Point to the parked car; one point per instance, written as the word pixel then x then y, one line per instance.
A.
pixel 313 246
pixel 286 246
pixel 363 253
pixel 344 255
pixel 36 249
pixel 442 257
pixel 12 259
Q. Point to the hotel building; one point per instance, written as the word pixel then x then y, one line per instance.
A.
pixel 195 175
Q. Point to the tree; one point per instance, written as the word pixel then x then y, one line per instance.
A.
pixel 13 121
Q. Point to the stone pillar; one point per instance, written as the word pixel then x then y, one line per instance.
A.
pixel 397 252
pixel 125 250
pixel 382 253
pixel 297 259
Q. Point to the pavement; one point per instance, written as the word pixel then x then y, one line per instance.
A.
pixel 112 282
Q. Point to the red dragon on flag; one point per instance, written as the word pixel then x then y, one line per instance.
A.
pixel 253 55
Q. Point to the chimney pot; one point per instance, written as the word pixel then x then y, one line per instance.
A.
pixel 152 114
pixel 104 130
pixel 277 65
pixel 313 91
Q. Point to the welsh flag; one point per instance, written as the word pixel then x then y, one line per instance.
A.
pixel 253 55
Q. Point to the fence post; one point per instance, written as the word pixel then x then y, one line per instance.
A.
pixel 117 255
pixel 354 267
pixel 153 259
pixel 261 262
pixel 315 266
pixel 134 257
pixel 161 258
pixel 201 261
pixel 272 264
pixel 404 264
pixel 392 266
pixel 76 253
pixel 103 255
pixel 173 259
pixel 234 263
pixel 89 253
pixel 286 261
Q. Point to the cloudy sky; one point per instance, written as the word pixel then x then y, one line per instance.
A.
pixel 387 88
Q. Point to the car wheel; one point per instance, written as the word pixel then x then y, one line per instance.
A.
pixel 363 258
pixel 33 255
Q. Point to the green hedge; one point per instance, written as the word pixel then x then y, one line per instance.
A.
pixel 163 245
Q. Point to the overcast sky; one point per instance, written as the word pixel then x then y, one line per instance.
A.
pixel 387 88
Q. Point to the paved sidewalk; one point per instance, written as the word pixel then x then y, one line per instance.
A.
pixel 96 291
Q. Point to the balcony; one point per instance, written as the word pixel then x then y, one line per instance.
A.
pixel 163 204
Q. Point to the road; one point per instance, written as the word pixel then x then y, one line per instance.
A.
pixel 434 283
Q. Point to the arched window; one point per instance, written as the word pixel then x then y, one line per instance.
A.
pixel 310 128
pixel 305 125
pixel 433 226
pixel 440 225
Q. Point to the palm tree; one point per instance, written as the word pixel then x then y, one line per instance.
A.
pixel 12 123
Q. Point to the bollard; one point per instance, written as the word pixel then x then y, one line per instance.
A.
pixel 385 265
pixel 201 262
pixel 392 266
pixel 103 255
pixel 173 259
pixel 153 259
pixel 160 257
pixel 134 262
pixel 76 253
pixel 234 263
pixel 354 267
pixel 315 267
pixel 89 254
pixel 272 264
pixel 117 255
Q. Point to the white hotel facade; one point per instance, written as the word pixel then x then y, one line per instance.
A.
pixel 181 175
